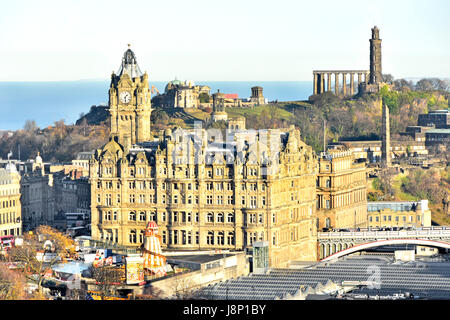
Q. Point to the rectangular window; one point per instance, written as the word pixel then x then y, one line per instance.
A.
pixel 253 202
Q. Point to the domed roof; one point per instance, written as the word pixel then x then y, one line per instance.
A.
pixel 173 83
pixel 176 82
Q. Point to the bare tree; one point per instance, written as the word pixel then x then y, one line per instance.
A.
pixel 386 178
pixel 107 278
pixel 12 284
pixel 36 256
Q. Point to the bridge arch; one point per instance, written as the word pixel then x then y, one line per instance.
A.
pixel 374 244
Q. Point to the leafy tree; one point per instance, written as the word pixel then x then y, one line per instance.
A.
pixel 204 97
pixel 390 98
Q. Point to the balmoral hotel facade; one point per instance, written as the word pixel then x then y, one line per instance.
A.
pixel 204 190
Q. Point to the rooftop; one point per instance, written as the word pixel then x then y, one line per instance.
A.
pixel 199 258
pixel 440 131
pixel 428 278
pixel 396 205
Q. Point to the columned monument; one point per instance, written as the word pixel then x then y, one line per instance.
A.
pixel 368 80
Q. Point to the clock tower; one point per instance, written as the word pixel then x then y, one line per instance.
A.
pixel 130 102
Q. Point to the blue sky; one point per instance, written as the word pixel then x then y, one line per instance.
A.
pixel 211 40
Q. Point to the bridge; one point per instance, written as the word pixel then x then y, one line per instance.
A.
pixel 331 243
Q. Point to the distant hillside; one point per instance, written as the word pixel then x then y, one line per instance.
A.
pixel 58 143
pixel 357 118
pixel 96 116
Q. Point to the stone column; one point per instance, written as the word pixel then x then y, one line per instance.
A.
pixel 336 83
pixel 359 78
pixel 322 82
pixel 315 83
pixel 352 86
pixel 329 82
pixel 344 84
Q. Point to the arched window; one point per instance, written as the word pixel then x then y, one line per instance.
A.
pixel 132 236
pixel 132 216
pixel 210 238
pixel 221 238
pixel 230 217
pixel 230 238
pixel 210 217
pixel 142 216
pixel 220 217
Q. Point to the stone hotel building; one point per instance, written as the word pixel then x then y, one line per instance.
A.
pixel 10 206
pixel 341 190
pixel 204 191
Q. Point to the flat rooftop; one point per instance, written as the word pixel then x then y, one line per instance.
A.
pixel 198 258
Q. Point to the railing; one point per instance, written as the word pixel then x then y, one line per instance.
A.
pixel 384 234
pixel 104 244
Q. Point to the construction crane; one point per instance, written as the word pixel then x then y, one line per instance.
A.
pixel 154 89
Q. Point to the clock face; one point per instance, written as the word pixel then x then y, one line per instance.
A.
pixel 125 97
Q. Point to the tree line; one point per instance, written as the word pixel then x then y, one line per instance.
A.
pixel 57 143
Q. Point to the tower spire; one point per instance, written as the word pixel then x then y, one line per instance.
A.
pixel 375 57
